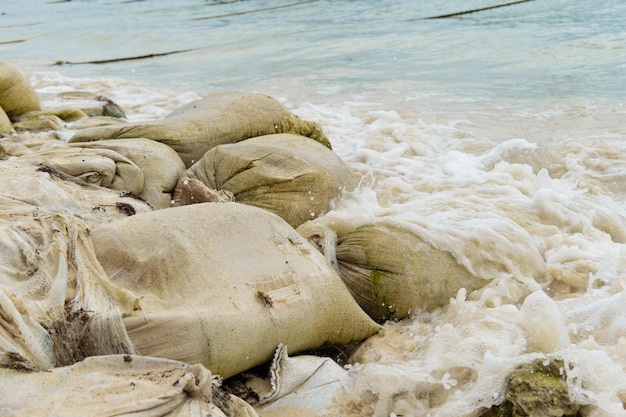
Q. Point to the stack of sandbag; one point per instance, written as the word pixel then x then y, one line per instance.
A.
pixel 224 284
pixel 21 110
pixel 289 175
pixel 390 270
pixel 216 119
pixel 17 96
pixel 91 276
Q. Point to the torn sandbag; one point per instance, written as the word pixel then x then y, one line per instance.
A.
pixel 160 165
pixel 300 385
pixel 391 271
pixel 18 144
pixel 17 96
pixel 31 186
pixel 119 385
pixel 224 284
pixel 46 120
pixel 289 175
pixel 57 304
pixel 216 119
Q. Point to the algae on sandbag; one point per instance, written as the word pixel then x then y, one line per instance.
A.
pixel 537 389
pixel 390 271
pixel 289 175
pixel 218 118
pixel 224 284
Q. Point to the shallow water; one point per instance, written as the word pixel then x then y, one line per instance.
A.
pixel 497 136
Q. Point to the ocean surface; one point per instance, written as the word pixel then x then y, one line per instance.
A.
pixel 499 136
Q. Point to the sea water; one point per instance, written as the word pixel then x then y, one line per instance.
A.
pixel 498 136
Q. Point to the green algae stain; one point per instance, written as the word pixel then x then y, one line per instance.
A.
pixel 537 389
pixel 377 277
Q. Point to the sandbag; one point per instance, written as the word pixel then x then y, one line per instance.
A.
pixel 46 120
pixel 118 385
pixel 218 118
pixel 57 306
pixel 390 271
pixel 160 165
pixel 17 96
pixel 289 175
pixel 303 385
pixel 5 123
pixel 24 143
pixel 33 187
pixel 224 284
pixel 93 105
pixel 103 167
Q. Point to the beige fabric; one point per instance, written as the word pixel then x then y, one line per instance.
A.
pixel 103 167
pixel 5 123
pixel 118 385
pixel 159 164
pixel 24 143
pixel 303 385
pixel 93 105
pixel 17 96
pixel 218 118
pixel 390 271
pixel 224 284
pixel 144 167
pixel 289 175
pixel 56 304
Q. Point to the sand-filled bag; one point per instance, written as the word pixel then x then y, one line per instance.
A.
pixel 57 305
pixel 17 96
pixel 118 385
pixel 141 166
pixel 290 175
pixel 160 165
pixel 102 167
pixel 224 284
pixel 391 271
pixel 218 118
pixel 5 123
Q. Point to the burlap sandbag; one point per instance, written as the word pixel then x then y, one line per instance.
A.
pixel 224 284
pixel 289 175
pixel 103 167
pixel 118 385
pixel 160 165
pixel 57 305
pixel 5 123
pixel 17 96
pixel 218 118
pixel 390 271
pixel 93 105
pixel 46 120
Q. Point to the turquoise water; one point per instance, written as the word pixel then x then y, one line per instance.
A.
pixel 541 48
